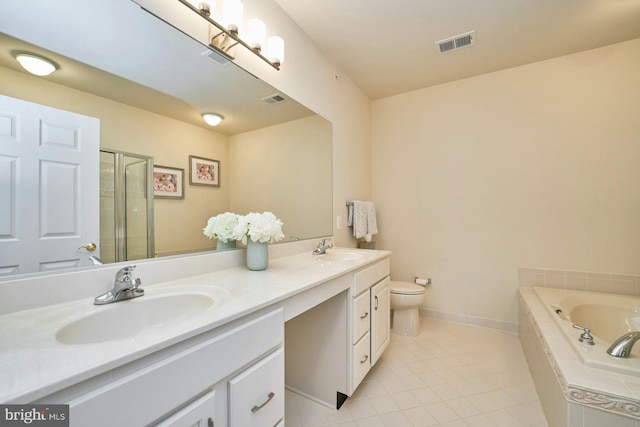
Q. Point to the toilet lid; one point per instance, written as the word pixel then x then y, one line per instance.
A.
pixel 405 288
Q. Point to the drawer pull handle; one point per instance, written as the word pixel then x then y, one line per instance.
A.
pixel 269 397
pixel 364 316
pixel 210 422
pixel 376 302
pixel 366 357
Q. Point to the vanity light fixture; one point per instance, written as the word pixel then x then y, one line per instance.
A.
pixel 232 15
pixel 212 119
pixel 35 64
pixel 256 33
pixel 276 50
pixel 227 32
pixel 203 7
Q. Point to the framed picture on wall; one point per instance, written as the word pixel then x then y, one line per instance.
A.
pixel 204 171
pixel 168 183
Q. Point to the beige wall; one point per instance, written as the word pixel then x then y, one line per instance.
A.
pixel 130 129
pixel 535 166
pixel 309 77
pixel 277 169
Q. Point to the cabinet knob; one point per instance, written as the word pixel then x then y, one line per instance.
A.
pixel 364 316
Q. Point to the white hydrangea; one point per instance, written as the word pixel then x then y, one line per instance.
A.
pixel 222 227
pixel 259 227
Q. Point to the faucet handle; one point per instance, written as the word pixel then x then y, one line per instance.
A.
pixel 124 274
pixel 585 337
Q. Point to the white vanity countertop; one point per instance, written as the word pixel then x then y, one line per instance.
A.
pixel 33 364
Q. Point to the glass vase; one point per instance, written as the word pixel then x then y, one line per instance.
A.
pixel 221 246
pixel 257 255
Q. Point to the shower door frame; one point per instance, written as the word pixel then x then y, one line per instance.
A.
pixel 120 215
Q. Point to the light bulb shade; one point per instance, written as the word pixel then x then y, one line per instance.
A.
pixel 35 64
pixel 232 15
pixel 276 50
pixel 256 34
pixel 212 119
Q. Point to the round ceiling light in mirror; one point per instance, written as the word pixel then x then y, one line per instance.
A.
pixel 35 64
pixel 212 119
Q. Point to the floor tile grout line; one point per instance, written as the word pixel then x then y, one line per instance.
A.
pixel 498 361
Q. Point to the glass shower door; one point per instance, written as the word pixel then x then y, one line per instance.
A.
pixel 126 204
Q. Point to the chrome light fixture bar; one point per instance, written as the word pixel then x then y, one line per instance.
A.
pixel 227 38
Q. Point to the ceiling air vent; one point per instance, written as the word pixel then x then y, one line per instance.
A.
pixel 216 57
pixel 274 99
pixel 457 42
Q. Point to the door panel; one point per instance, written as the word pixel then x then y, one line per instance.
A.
pixel 48 187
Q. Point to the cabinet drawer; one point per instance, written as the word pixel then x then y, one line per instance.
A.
pixel 364 279
pixel 361 316
pixel 256 396
pixel 361 359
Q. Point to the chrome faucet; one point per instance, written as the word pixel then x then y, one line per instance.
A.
pixel 623 345
pixel 322 247
pixel 124 287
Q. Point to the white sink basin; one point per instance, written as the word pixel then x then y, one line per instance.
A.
pixel 126 319
pixel 342 255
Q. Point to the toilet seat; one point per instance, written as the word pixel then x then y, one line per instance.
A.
pixel 405 288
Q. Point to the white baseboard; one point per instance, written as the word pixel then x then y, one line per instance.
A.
pixel 511 327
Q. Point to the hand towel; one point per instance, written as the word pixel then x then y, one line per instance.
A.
pixel 362 217
pixel 372 223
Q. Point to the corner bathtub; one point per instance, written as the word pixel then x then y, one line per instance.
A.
pixel 576 382
pixel 608 316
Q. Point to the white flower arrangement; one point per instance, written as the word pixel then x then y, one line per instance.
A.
pixel 222 227
pixel 259 227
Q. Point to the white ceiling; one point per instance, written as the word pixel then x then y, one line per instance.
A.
pixel 98 50
pixel 388 48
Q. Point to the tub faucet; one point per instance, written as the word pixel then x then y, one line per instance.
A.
pixel 124 287
pixel 322 247
pixel 623 345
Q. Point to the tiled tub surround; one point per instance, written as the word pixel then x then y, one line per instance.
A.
pixel 572 393
pixel 620 284
pixel 33 364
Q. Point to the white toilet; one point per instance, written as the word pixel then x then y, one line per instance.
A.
pixel 405 299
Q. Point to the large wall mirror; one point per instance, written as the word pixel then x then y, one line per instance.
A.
pixel 148 84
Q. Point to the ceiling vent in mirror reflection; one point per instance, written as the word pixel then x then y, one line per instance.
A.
pixel 456 42
pixel 274 99
pixel 216 57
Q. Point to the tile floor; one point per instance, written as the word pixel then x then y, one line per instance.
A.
pixel 450 375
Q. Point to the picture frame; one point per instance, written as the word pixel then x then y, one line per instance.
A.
pixel 203 171
pixel 168 182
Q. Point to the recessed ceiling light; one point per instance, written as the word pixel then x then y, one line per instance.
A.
pixel 35 64
pixel 212 119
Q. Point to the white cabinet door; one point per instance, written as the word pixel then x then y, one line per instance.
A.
pixel 380 320
pixel 200 413
pixel 49 198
